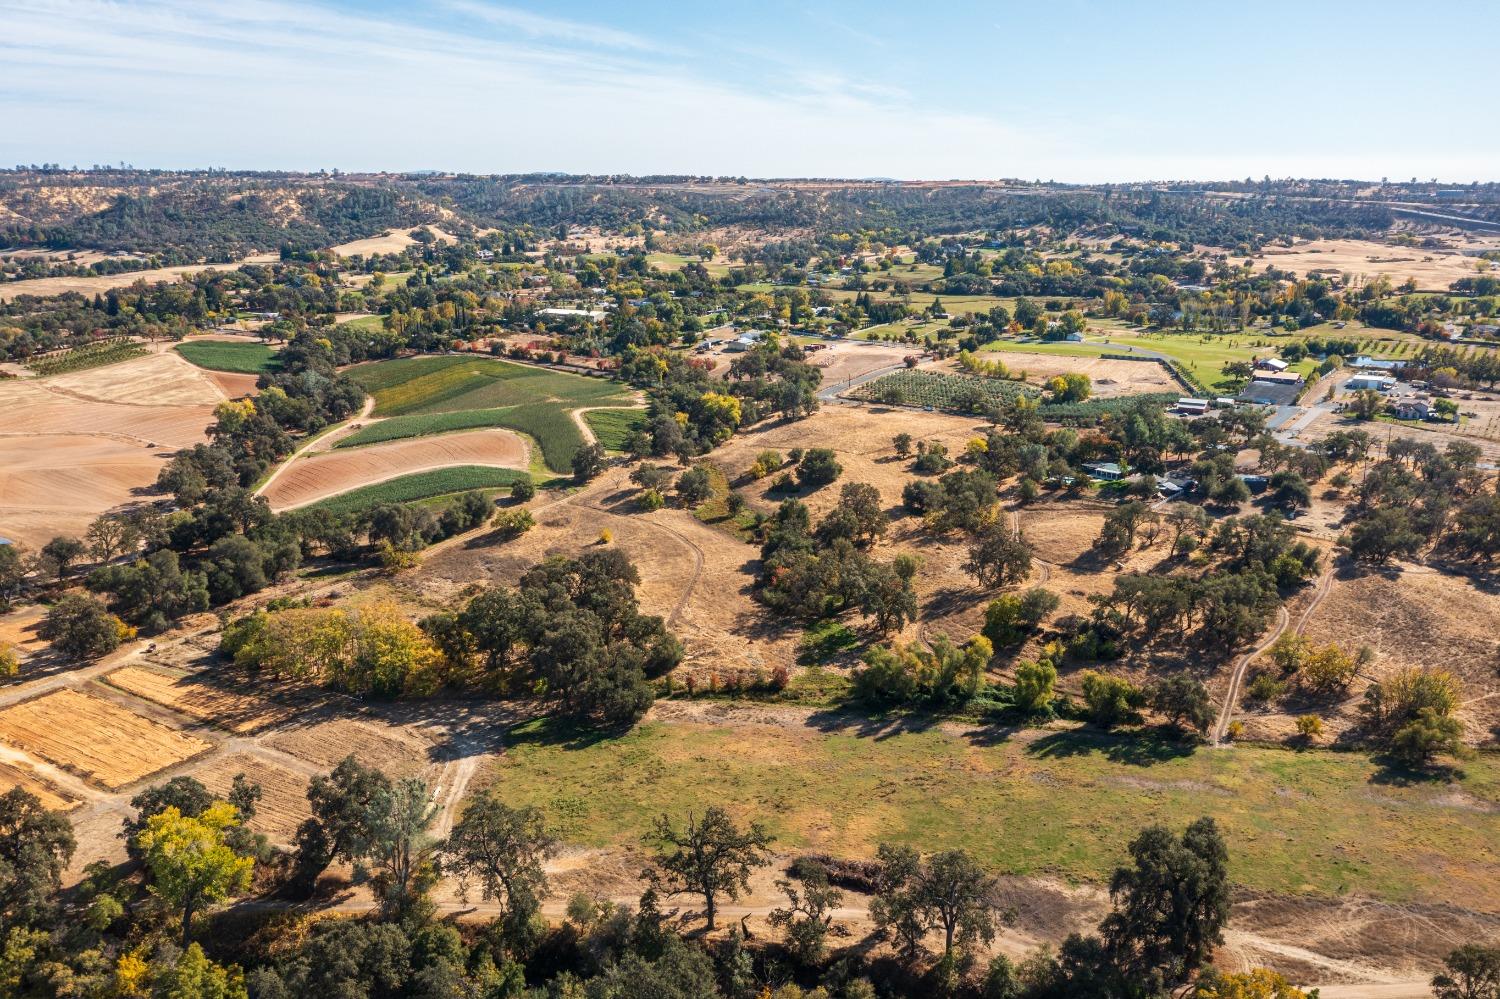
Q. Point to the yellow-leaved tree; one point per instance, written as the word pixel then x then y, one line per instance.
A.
pixel 189 861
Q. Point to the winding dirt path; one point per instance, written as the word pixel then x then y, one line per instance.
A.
pixel 583 425
pixel 1283 621
pixel 1237 678
pixel 311 447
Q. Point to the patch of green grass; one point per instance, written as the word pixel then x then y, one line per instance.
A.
pixel 613 427
pixel 817 687
pixel 422 486
pixel 716 268
pixel 714 511
pixel 224 355
pixel 1056 803
pixel 366 324
pixel 825 640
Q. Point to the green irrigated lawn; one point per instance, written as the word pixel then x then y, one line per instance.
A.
pixel 373 324
pixel 1058 803
pixel 225 355
pixel 422 485
pixel 613 427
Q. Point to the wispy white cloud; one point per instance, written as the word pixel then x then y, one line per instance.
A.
pixel 282 84
pixel 539 27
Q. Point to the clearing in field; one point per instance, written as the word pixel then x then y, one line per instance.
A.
pixel 330 473
pixel 95 738
pixel 1111 378
pixel 843 361
pixel 1365 260
pixel 239 357
pixel 391 242
pixel 202 696
pixel 1064 803
pixel 434 395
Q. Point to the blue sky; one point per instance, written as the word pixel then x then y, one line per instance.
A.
pixel 1075 90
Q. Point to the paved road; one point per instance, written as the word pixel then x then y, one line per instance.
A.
pixel 832 392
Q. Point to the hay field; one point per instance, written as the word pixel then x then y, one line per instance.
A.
pixel 19 774
pixel 1434 270
pixel 58 485
pixel 18 629
pixel 76 445
pixel 319 476
pixel 94 738
pixel 201 697
pixel 399 751
pixel 283 804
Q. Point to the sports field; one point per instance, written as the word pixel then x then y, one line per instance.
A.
pixel 432 395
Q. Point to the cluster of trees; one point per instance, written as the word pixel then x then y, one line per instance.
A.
pixel 229 544
pixel 571 631
pixel 1419 498
pixel 689 414
pixel 366 650
pixel 1230 600
pixel 823 571
pixel 1412 713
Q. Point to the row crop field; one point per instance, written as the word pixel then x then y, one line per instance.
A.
pixel 93 355
pixel 972 394
pixel 1089 412
pixel 552 428
pixel 421 396
pixel 613 427
pixel 223 355
pixel 449 383
pixel 421 486
pixel 960 393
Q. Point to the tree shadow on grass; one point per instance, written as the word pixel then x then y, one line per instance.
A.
pixel 1395 772
pixel 1143 750
pixel 564 732
pixel 850 720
